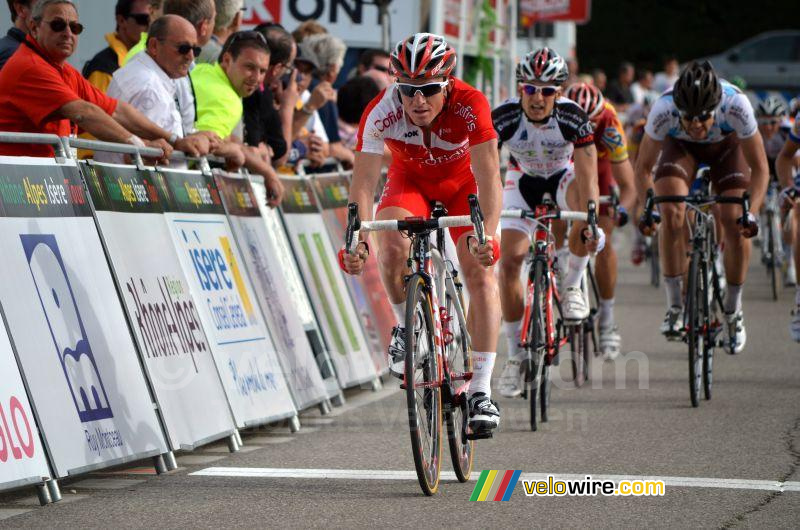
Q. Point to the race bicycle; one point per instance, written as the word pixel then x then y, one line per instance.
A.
pixel 702 324
pixel 543 332
pixel 438 347
pixel 772 241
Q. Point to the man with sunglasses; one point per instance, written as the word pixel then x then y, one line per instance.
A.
pixel 41 93
pixel 439 131
pixel 20 13
pixel 551 144
pixel 704 119
pixel 133 18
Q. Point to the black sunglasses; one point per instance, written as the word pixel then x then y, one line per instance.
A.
pixel 427 90
pixel 243 36
pixel 703 116
pixel 184 49
pixel 59 24
pixel 380 68
pixel 141 19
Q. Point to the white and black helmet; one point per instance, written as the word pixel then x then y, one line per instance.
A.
pixel 543 65
pixel 772 106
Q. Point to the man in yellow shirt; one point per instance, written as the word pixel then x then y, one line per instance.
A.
pixel 133 17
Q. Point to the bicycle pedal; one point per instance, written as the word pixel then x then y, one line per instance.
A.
pixel 480 435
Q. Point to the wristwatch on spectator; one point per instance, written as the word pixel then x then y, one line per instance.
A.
pixel 307 111
pixel 173 138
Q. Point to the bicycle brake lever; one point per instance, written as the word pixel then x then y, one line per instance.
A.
pixel 476 215
pixel 353 226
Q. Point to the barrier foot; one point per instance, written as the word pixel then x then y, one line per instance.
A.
pixel 238 436
pixel 54 490
pixel 158 463
pixel 338 400
pixel 325 407
pixel 294 424
pixel 233 445
pixel 169 460
pixel 376 384
pixel 43 494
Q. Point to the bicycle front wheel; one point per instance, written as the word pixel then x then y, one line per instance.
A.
pixel 694 334
pixel 536 342
pixel 422 385
pixel 773 266
pixel 458 361
pixel 655 263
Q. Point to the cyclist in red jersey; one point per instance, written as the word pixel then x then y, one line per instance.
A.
pixel 444 147
pixel 613 167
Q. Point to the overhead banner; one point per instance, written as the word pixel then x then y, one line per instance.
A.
pixel 294 351
pixel 369 295
pixel 317 260
pixel 300 305
pixel 65 318
pixel 163 314
pixel 242 348
pixel 22 459
pixel 532 11
pixel 355 21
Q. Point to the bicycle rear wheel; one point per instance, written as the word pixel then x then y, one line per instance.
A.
pixel 655 263
pixel 577 342
pixel 694 334
pixel 458 360
pixel 422 385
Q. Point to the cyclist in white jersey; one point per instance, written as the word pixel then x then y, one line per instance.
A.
pixel 543 133
pixel 704 120
pixel 786 167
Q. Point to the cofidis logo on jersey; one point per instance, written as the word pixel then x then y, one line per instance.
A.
pixel 66 326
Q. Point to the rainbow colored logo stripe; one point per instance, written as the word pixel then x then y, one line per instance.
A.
pixel 494 485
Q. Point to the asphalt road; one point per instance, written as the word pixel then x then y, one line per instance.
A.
pixel 634 419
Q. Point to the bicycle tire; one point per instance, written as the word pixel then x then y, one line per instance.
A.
pixel 420 345
pixel 708 342
pixel 772 263
pixel 544 389
pixel 693 332
pixel 578 346
pixel 458 360
pixel 536 342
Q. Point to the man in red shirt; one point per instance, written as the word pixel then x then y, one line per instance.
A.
pixel 41 93
pixel 439 130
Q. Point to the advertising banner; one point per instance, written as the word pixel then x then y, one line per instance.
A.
pixel 294 351
pixel 317 260
pixel 369 295
pixel 67 324
pixel 22 459
pixel 240 343
pixel 532 11
pixel 293 283
pixel 164 316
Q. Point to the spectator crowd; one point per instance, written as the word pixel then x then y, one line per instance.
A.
pixel 182 75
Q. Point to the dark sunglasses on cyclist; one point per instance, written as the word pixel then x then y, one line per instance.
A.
pixel 427 90
pixel 769 121
pixel 59 24
pixel 703 116
pixel 546 91
pixel 141 19
pixel 381 68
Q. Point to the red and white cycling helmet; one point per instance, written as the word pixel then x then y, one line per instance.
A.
pixel 543 65
pixel 588 97
pixel 423 56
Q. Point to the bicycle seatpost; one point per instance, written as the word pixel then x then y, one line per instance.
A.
pixel 353 226
pixel 476 215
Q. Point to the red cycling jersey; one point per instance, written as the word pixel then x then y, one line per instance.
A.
pixel 423 173
pixel 609 138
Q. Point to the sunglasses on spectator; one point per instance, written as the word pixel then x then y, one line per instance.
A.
pixel 59 24
pixel 427 90
pixel 185 48
pixel 141 19
pixel 701 117
pixel 534 89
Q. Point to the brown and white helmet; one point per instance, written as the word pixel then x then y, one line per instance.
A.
pixel 423 56
pixel 588 97
pixel 543 65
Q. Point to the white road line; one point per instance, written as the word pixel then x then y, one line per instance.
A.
pixel 382 474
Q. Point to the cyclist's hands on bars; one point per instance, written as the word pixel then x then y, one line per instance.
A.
pixel 649 227
pixel 487 254
pixel 353 264
pixel 748 225
pixel 594 244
